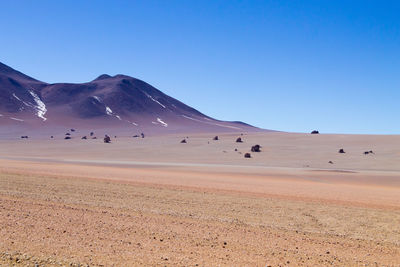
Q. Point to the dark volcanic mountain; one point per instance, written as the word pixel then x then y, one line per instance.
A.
pixel 113 103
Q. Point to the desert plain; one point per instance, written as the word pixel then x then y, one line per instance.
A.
pixel 154 201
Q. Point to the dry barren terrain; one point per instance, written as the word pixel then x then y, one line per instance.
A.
pixel 154 201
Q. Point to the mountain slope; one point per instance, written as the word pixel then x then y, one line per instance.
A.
pixel 115 103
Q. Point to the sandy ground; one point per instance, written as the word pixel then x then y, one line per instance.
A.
pixel 154 201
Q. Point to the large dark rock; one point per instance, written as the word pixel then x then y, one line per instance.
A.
pixel 239 140
pixel 315 132
pixel 256 148
pixel 247 155
pixel 215 138
pixel 107 139
pixel 341 151
pixel 183 141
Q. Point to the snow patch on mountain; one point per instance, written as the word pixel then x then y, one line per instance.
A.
pixel 16 97
pixel 40 106
pixel 149 96
pixel 15 119
pixel 162 123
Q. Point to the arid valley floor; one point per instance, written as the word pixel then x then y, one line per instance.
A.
pixel 157 202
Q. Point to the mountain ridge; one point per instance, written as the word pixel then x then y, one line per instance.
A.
pixel 118 102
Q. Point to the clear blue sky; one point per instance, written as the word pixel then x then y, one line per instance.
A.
pixel 285 65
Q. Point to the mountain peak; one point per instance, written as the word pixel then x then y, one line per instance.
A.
pixel 102 77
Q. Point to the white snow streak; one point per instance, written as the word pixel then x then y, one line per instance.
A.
pixel 16 97
pixel 109 111
pixel 16 119
pixel 97 98
pixel 162 123
pixel 40 106
pixel 149 96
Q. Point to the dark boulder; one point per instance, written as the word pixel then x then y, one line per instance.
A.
pixel 341 151
pixel 142 134
pixel 84 137
pixel 135 136
pixel 215 138
pixel 72 130
pixel 315 132
pixel 330 162
pixel 183 141
pixel 91 133
pixel 24 137
pixel 247 155
pixel 239 140
pixel 67 137
pixel 67 134
pixel 107 139
pixel 256 148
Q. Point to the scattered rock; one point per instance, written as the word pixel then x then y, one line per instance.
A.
pixel 91 133
pixel 315 132
pixel 369 152
pixel 215 138
pixel 341 151
pixel 51 136
pixel 84 137
pixel 142 134
pixel 247 155
pixel 67 137
pixel 239 140
pixel 256 148
pixel 94 137
pixel 67 134
pixel 72 130
pixel 135 136
pixel 330 162
pixel 107 139
pixel 183 141
pixel 24 137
